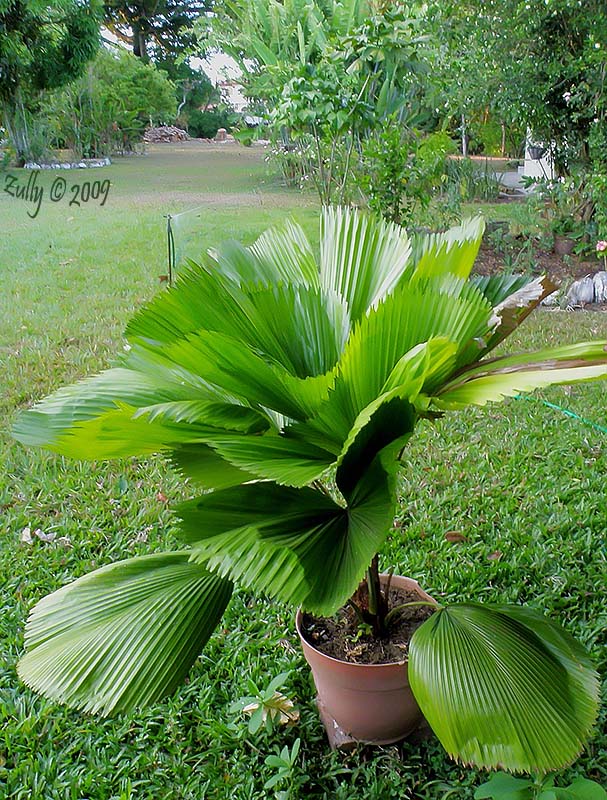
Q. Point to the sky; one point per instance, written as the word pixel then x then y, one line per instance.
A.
pixel 218 66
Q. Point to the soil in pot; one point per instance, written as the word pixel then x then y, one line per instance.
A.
pixel 342 637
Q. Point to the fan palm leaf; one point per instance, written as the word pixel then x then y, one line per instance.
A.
pixel 125 635
pixel 503 686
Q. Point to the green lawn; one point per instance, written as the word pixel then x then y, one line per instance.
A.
pixel 523 483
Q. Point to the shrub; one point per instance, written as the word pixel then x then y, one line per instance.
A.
pixel 108 109
pixel 401 172
pixel 205 124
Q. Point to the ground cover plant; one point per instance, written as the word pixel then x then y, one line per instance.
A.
pixel 514 545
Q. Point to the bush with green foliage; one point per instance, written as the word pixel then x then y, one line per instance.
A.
pixel 401 170
pixel 108 109
pixel 467 180
pixel 205 124
pixel 390 178
pixel 287 387
pixel 502 786
pixel 42 47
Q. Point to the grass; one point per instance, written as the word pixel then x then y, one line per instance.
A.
pixel 522 483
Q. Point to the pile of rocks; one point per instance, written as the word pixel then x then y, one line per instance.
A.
pixel 165 133
pixel 86 163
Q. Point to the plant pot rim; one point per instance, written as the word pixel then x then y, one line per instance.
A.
pixel 387 664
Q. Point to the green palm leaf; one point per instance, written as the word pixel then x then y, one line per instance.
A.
pixel 409 317
pixel 224 416
pixel 499 286
pixel 43 424
pixel 199 299
pixel 124 432
pixel 568 355
pixel 232 367
pixel 381 430
pixel 280 255
pixel 302 329
pixel 91 432
pixel 206 467
pixel 494 388
pixel 276 457
pixel 297 545
pixel 289 252
pixel 125 635
pixel 452 252
pixel 238 264
pixel 503 687
pixel 361 258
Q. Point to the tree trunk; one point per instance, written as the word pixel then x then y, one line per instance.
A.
pixel 378 607
pixel 503 145
pixel 184 97
pixel 14 117
pixel 140 45
pixel 464 137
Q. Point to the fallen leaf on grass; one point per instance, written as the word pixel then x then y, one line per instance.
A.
pixel 162 498
pixel 278 707
pixel 495 556
pixel 286 645
pixel 64 541
pixel 48 538
pixel 26 536
pixel 455 537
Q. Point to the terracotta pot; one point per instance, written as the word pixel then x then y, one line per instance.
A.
pixel 364 702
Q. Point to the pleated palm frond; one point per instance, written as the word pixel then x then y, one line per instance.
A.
pixel 503 686
pixel 452 252
pixel 124 635
pixel 259 374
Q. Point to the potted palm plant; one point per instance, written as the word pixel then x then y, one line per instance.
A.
pixel 287 390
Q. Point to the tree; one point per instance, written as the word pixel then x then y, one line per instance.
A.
pixel 108 108
pixel 194 90
pixel 41 47
pixel 269 39
pixel 329 72
pixel 539 63
pixel 566 67
pixel 157 29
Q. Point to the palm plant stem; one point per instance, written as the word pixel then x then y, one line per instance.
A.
pixel 377 601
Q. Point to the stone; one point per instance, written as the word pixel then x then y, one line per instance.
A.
pixel 552 299
pixel 600 287
pixel 581 293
